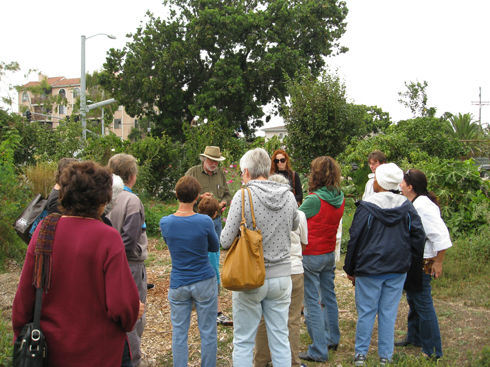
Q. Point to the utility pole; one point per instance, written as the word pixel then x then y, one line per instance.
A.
pixel 480 103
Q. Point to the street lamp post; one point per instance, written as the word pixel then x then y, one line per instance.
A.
pixel 83 98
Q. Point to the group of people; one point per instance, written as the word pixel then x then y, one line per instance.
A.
pixel 98 280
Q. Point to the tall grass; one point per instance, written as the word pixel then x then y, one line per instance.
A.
pixel 41 177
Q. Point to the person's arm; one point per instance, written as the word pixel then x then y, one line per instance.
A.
pixel 338 241
pixel 298 189
pixel 131 231
pixel 295 216
pixel 355 231
pixel 213 241
pixel 311 205
pixel 233 220
pixel 436 269
pixel 303 230
pixel 122 298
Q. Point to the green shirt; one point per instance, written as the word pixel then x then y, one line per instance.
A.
pixel 215 183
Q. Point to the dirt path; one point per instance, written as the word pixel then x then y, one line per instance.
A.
pixel 465 330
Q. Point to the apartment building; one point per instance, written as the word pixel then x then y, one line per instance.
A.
pixel 51 99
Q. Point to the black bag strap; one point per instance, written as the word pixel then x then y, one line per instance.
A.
pixel 37 308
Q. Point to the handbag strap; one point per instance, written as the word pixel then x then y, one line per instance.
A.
pixel 251 207
pixel 43 262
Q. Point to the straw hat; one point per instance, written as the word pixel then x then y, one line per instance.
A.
pixel 213 153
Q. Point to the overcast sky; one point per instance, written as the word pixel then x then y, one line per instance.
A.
pixel 444 42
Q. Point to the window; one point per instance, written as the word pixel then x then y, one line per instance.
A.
pixel 76 92
pixel 62 110
pixel 117 123
pixel 25 97
pixel 62 93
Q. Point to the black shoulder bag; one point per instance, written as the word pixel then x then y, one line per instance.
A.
pixel 30 347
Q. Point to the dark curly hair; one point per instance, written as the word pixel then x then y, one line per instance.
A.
pixel 324 171
pixel 62 163
pixel 187 189
pixel 85 186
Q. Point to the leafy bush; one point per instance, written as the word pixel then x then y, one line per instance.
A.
pixel 101 149
pixel 160 161
pixel 14 197
pixel 154 211
pixel 462 194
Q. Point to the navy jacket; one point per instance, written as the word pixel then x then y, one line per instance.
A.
pixel 384 239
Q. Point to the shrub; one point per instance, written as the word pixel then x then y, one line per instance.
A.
pixel 160 161
pixel 14 197
pixel 154 211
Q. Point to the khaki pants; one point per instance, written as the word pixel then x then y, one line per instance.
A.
pixel 262 353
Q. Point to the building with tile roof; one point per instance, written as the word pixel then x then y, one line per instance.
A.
pixel 52 99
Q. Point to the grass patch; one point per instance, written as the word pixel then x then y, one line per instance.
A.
pixel 467 262
pixel 6 337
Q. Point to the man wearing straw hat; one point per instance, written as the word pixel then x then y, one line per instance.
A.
pixel 213 183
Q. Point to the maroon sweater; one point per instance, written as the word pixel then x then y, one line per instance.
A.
pixel 93 300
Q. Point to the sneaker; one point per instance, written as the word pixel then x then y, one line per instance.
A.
pixel 384 361
pixel 222 319
pixel 359 359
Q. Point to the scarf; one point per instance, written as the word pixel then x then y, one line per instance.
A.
pixel 43 252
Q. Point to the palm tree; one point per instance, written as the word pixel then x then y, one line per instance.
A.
pixel 464 128
pixel 470 132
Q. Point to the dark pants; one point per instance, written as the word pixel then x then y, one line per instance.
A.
pixel 423 327
pixel 126 358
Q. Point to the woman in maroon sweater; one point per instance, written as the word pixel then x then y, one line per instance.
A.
pixel 92 300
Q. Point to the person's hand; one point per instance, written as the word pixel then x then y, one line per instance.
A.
pixel 142 310
pixel 352 279
pixel 206 194
pixel 222 206
pixel 436 269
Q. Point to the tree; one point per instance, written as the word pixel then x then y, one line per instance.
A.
pixel 415 98
pixel 320 121
pixel 221 59
pixel 470 132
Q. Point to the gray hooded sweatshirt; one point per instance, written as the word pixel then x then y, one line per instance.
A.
pixel 275 215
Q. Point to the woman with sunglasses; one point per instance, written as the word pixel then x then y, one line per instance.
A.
pixel 423 327
pixel 281 164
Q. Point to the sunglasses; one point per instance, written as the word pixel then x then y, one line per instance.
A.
pixel 282 160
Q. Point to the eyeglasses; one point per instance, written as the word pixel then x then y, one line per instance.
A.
pixel 408 172
pixel 282 160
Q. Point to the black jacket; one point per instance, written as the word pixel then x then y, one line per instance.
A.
pixel 384 239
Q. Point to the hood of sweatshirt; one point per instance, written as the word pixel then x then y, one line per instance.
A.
pixel 273 195
pixel 387 207
pixel 333 197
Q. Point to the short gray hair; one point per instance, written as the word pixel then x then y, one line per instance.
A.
pixel 257 162
pixel 279 179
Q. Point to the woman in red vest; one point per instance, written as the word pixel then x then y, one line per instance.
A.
pixel 323 208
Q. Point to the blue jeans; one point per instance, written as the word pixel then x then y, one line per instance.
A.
pixel 423 327
pixel 377 296
pixel 322 325
pixel 271 301
pixel 205 296
pixel 214 256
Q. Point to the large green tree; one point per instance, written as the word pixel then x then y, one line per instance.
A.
pixel 221 59
pixel 320 120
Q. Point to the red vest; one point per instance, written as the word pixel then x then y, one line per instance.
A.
pixel 322 229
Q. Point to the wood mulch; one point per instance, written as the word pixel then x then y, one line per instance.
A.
pixel 464 329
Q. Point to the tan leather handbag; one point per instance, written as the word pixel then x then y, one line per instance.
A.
pixel 244 268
